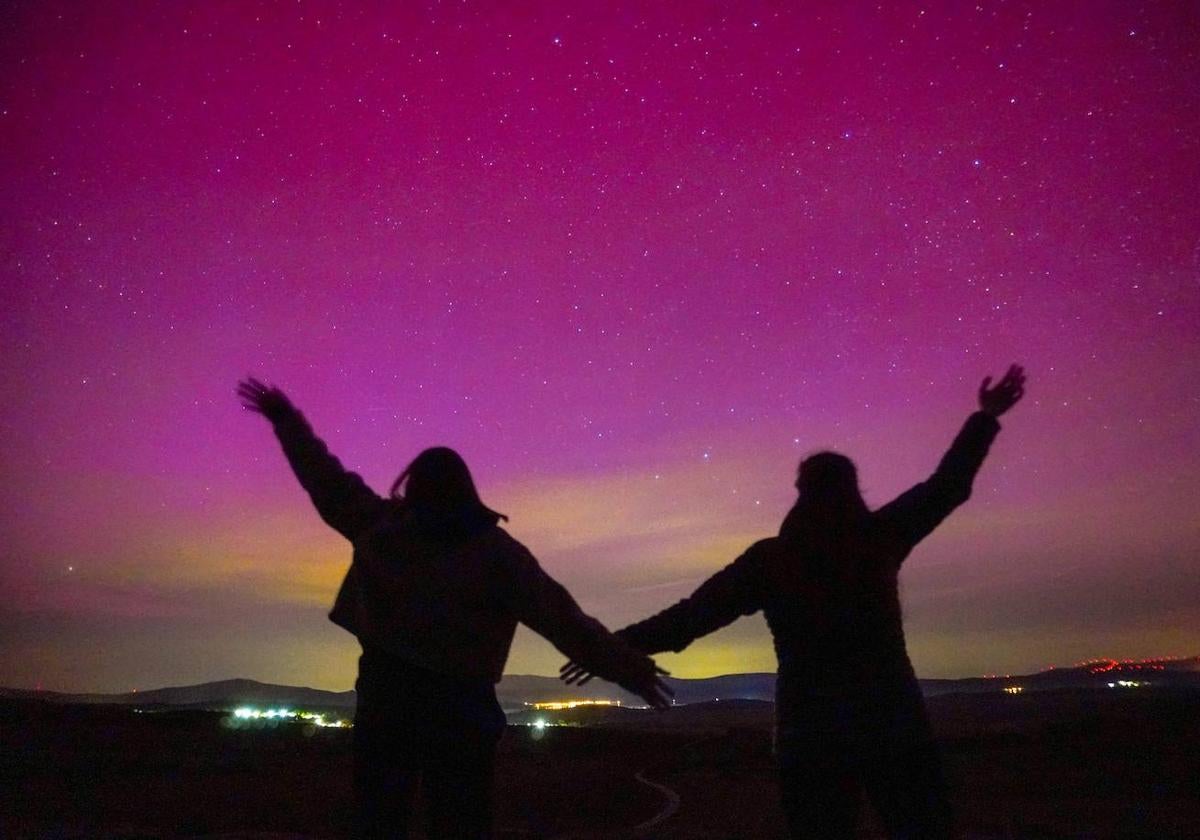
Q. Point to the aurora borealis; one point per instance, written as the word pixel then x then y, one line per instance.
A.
pixel 633 261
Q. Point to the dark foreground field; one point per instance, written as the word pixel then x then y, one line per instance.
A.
pixel 1072 764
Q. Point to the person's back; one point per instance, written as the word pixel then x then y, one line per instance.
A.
pixel 833 608
pixel 849 711
pixel 434 593
pixel 449 600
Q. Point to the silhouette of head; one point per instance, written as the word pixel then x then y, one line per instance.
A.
pixel 439 483
pixel 828 478
pixel 829 495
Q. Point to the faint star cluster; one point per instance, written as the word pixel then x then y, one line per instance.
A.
pixel 669 242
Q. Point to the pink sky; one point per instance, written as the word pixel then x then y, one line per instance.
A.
pixel 633 262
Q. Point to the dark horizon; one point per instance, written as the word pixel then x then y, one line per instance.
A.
pixel 1133 666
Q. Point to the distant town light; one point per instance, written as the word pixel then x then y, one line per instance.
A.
pixel 250 713
pixel 560 705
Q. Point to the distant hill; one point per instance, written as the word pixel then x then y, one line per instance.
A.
pixel 212 695
pixel 517 690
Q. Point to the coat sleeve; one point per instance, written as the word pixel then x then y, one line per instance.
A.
pixel 914 514
pixel 546 607
pixel 341 497
pixel 731 593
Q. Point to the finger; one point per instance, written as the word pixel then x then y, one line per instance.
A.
pixel 661 670
pixel 587 679
pixel 987 380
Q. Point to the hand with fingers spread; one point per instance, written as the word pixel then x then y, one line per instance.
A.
pixel 573 673
pixel 270 402
pixel 999 399
pixel 647 685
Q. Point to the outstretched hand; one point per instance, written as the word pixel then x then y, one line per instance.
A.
pixel 575 674
pixel 650 687
pixel 270 402
pixel 999 399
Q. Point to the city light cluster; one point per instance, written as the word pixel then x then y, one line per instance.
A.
pixel 249 713
pixel 1013 689
pixel 1104 666
pixel 560 705
pixel 1127 684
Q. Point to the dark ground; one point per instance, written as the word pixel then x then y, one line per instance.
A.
pixel 1086 764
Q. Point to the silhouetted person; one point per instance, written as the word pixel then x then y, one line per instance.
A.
pixel 434 594
pixel 849 711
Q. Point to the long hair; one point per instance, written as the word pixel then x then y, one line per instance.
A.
pixel 830 501
pixel 438 487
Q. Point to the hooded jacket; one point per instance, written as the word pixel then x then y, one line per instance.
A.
pixel 830 596
pixel 443 594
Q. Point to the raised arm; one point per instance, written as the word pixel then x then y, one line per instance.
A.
pixel 547 608
pixel 341 497
pixel 731 593
pixel 914 514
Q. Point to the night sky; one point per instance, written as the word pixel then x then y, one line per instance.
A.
pixel 634 263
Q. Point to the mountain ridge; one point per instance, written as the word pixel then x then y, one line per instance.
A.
pixel 517 690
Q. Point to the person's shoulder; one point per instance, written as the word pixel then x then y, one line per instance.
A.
pixel 760 550
pixel 503 545
pixel 505 557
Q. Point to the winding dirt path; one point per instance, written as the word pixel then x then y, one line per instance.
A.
pixel 671 803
